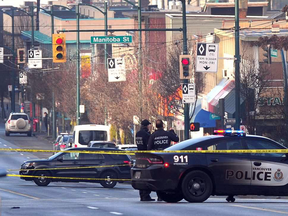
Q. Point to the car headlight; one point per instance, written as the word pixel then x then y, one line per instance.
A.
pixel 26 165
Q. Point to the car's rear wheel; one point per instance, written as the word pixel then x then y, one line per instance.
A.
pixel 7 133
pixel 197 186
pixel 170 197
pixel 108 183
pixel 41 180
pixel 29 133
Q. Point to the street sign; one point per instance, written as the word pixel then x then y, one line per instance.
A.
pixel 1 55
pixel 40 96
pixel 188 90
pixel 22 78
pixel 207 57
pixel 213 116
pixel 82 108
pixel 136 120
pixel 35 59
pixel 111 39
pixel 116 69
pixel 230 121
pixel 9 88
pixel 274 53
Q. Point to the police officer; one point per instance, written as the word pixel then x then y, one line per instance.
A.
pixel 142 138
pixel 161 139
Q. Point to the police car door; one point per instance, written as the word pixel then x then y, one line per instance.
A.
pixel 269 170
pixel 229 169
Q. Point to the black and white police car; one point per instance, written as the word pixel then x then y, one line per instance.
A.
pixel 197 176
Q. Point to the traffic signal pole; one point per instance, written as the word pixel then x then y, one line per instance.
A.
pixel 237 67
pixel 53 92
pixel 185 52
pixel 78 68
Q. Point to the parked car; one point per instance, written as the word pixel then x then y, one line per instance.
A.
pixel 56 142
pixel 197 176
pixel 64 142
pixel 126 146
pixel 67 165
pixel 18 123
pixel 102 144
pixel 83 134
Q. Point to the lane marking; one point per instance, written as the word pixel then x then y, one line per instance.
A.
pixel 116 213
pixel 84 192
pixel 96 195
pixel 63 188
pixel 261 209
pixel 92 207
pixel 20 194
pixel 21 154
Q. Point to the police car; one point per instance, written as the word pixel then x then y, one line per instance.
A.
pixel 197 176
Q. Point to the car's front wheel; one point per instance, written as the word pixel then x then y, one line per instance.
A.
pixel 41 180
pixel 170 197
pixel 197 186
pixel 108 183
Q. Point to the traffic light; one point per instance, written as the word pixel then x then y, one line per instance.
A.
pixel 21 56
pixel 194 126
pixel 185 66
pixel 59 48
pixel 267 54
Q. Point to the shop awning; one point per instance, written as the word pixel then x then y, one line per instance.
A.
pixel 202 116
pixel 220 91
pixel 229 102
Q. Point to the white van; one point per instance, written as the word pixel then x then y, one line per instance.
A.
pixel 83 134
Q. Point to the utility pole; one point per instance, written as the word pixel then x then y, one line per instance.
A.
pixel 185 52
pixel 14 58
pixel 237 67
pixel 78 68
pixel 53 92
pixel 140 68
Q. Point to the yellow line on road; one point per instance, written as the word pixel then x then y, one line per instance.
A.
pixel 20 194
pixel 262 209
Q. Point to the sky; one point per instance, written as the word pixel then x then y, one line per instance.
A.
pixel 17 3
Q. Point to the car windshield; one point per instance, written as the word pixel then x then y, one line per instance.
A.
pixel 55 155
pixel 66 138
pixel 15 117
pixel 86 136
pixel 103 145
pixel 187 143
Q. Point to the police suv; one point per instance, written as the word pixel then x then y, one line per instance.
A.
pixel 196 176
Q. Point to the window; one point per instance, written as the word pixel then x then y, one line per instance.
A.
pixel 15 117
pixel 84 156
pixel 86 136
pixel 71 156
pixel 234 144
pixel 264 144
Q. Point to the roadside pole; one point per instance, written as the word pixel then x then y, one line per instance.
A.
pixel 185 52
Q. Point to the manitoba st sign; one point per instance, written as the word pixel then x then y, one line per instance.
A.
pixel 111 39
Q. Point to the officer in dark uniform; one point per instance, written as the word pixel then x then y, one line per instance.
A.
pixel 161 139
pixel 142 138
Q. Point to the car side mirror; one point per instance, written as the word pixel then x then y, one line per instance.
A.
pixel 60 159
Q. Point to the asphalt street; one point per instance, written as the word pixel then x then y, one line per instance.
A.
pixel 19 197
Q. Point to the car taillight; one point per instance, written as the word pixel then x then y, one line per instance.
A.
pixel 75 146
pixel 152 160
pixel 126 162
pixel 56 144
pixel 166 165
pixel 9 121
pixel 62 146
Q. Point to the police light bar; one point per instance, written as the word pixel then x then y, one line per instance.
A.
pixel 230 132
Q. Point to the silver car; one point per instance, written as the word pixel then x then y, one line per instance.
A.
pixel 18 123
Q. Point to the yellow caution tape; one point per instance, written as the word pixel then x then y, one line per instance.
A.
pixel 153 151
pixel 70 178
pixel 64 168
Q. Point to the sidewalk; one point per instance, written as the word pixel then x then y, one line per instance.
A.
pixel 43 136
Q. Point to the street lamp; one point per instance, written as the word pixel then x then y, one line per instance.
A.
pixel 139 54
pixel 78 52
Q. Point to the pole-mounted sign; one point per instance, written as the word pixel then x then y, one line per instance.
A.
pixel 207 57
